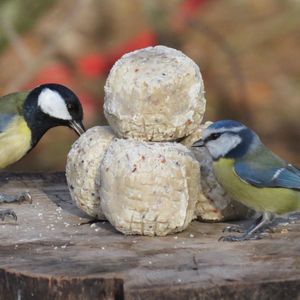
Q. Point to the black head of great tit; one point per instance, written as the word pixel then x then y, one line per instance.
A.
pixel 51 105
pixel 25 117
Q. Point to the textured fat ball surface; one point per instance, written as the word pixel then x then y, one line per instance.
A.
pixel 83 169
pixel 149 188
pixel 154 94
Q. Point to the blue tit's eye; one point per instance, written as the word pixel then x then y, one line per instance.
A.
pixel 214 136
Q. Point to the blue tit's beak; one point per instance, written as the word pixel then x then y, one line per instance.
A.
pixel 199 143
pixel 77 126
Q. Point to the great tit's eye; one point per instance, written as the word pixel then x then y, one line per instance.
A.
pixel 70 106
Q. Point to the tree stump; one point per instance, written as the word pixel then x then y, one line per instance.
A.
pixel 53 251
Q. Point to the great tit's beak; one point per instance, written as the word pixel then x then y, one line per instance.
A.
pixel 199 143
pixel 77 127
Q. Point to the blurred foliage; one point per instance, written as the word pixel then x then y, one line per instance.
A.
pixel 247 52
pixel 21 15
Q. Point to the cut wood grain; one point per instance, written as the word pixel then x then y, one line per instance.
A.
pixel 53 252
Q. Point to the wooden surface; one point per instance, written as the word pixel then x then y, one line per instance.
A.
pixel 47 254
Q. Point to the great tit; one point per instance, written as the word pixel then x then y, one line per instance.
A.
pixel 24 119
pixel 251 174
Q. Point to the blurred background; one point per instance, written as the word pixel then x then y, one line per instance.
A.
pixel 248 53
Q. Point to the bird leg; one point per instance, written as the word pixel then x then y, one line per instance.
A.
pixel 241 228
pixel 22 197
pixel 4 198
pixel 7 213
pixel 259 224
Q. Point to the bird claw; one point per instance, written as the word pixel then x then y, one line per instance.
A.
pixel 21 197
pixel 7 213
pixel 234 228
pixel 24 197
pixel 234 238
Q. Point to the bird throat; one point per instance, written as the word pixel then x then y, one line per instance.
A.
pixel 38 122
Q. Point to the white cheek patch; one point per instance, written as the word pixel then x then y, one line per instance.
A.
pixel 52 104
pixel 224 144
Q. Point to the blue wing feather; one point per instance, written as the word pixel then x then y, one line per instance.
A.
pixel 264 175
pixel 5 119
pixel 11 106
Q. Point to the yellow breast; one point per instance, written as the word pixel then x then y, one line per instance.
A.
pixel 15 142
pixel 276 200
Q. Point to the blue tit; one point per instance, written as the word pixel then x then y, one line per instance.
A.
pixel 251 174
pixel 24 119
